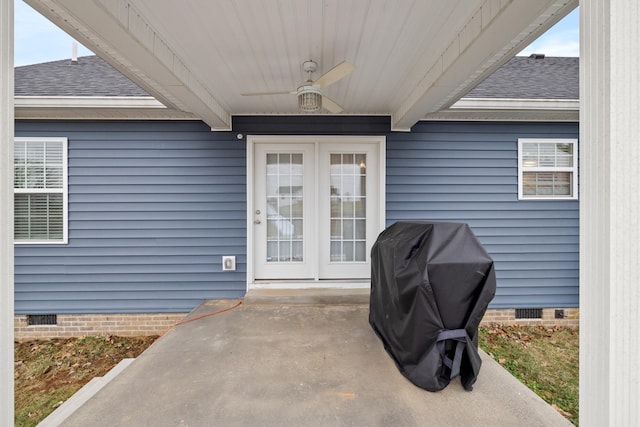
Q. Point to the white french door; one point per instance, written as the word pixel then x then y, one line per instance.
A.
pixel 284 211
pixel 315 210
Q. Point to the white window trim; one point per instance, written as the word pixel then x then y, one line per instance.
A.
pixel 64 191
pixel 573 169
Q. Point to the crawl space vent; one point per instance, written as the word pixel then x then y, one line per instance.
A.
pixel 42 319
pixel 528 313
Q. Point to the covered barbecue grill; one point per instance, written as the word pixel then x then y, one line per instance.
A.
pixel 431 283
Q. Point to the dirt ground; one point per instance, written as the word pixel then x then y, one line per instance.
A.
pixel 47 372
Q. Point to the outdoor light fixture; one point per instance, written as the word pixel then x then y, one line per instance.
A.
pixel 309 99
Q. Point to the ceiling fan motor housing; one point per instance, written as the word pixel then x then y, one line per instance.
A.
pixel 309 99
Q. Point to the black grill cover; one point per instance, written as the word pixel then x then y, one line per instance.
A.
pixel 431 284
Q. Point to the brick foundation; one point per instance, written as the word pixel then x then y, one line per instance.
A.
pixel 75 325
pixel 508 317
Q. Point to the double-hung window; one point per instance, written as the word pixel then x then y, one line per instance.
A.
pixel 40 190
pixel 547 169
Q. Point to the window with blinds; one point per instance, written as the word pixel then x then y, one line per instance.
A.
pixel 40 190
pixel 547 169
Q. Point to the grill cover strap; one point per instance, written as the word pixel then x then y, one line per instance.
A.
pixel 459 335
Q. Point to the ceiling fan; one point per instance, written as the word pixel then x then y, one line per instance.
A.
pixel 310 95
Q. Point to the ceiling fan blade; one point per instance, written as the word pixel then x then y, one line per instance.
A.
pixel 341 70
pixel 269 93
pixel 330 105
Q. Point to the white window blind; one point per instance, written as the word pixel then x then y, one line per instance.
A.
pixel 40 190
pixel 547 168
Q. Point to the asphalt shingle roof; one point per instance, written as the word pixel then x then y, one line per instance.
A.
pixel 90 76
pixel 520 78
pixel 532 78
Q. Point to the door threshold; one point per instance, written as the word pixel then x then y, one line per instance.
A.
pixel 310 284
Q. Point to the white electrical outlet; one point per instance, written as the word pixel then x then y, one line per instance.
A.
pixel 229 263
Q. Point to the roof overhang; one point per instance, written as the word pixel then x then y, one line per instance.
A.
pixel 412 59
pixel 498 109
pixel 96 107
pixel 148 108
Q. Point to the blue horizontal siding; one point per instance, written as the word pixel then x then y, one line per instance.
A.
pixel 153 278
pixel 468 172
pixel 153 206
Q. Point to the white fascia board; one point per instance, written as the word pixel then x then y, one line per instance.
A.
pixel 96 107
pixel 87 102
pixel 504 109
pixel 516 104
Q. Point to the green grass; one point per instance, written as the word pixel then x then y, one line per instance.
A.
pixel 41 405
pixel 544 359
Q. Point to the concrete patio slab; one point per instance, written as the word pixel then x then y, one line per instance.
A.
pixel 282 363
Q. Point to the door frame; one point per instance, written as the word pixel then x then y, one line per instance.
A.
pixel 252 140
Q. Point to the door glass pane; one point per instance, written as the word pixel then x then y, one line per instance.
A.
pixel 336 251
pixel 348 206
pixel 336 228
pixel 285 220
pixel 361 250
pixel 361 230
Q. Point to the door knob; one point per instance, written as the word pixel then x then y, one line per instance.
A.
pixel 257 221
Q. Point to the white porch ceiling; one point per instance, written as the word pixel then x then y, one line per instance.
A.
pixel 412 57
